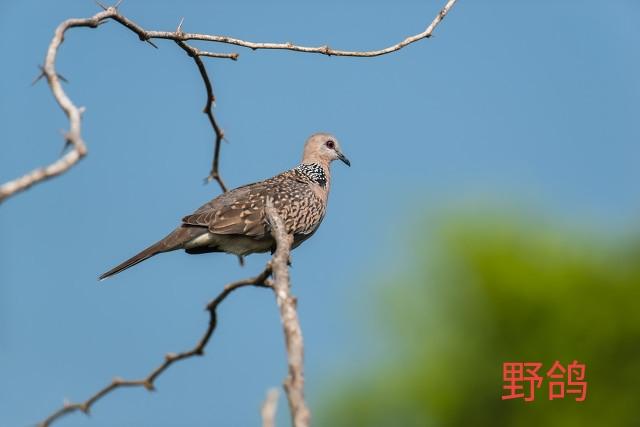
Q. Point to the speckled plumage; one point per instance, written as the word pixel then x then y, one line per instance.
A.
pixel 235 221
pixel 241 211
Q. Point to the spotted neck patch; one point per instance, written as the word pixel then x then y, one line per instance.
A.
pixel 314 172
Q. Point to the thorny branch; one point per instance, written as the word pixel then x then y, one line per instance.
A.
pixel 277 268
pixel 148 382
pixel 73 138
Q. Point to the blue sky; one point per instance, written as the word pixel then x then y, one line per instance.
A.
pixel 521 103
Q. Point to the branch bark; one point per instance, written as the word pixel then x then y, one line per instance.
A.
pixel 148 382
pixel 269 408
pixel 73 138
pixel 278 269
pixel 294 383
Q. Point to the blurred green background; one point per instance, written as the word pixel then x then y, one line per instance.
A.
pixel 479 290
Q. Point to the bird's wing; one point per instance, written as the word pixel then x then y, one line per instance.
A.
pixel 241 211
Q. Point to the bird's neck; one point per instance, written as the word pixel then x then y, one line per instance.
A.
pixel 317 172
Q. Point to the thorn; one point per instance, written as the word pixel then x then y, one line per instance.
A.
pixel 241 260
pixel 66 145
pixel 39 77
pixel 103 7
pixel 179 29
pixel 151 43
pixel 67 141
pixel 118 3
pixel 43 73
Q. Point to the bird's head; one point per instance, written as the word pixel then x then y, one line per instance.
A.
pixel 323 148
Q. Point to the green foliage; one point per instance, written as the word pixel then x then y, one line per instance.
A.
pixel 492 290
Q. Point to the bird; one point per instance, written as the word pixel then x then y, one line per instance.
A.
pixel 235 221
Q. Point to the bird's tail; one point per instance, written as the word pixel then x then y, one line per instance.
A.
pixel 175 240
pixel 152 250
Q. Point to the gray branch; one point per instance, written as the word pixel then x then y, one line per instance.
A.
pixel 276 268
pixel 269 408
pixel 73 138
pixel 148 382
pixel 294 383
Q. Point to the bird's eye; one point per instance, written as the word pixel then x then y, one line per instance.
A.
pixel 330 144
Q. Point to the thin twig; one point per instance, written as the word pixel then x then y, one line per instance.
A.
pixel 269 408
pixel 74 138
pixel 323 50
pixel 148 382
pixel 294 383
pixel 208 110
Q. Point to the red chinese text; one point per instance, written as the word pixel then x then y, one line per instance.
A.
pixel 522 379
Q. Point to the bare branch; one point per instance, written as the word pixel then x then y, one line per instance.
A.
pixel 148 382
pixel 277 267
pixel 232 56
pixel 74 137
pixel 323 50
pixel 208 110
pixel 294 383
pixel 269 408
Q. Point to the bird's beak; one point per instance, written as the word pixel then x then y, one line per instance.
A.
pixel 344 159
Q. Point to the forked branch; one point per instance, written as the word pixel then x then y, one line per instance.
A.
pixel 276 268
pixel 73 137
pixel 294 384
pixel 148 382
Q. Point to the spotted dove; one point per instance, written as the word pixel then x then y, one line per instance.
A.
pixel 235 221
